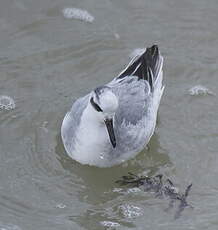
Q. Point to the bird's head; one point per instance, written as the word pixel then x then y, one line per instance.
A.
pixel 105 103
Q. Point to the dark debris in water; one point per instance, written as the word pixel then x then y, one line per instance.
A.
pixel 161 189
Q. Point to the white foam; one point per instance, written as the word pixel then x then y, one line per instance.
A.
pixel 76 13
pixel 137 52
pixel 61 206
pixel 6 102
pixel 130 211
pixel 134 190
pixel 200 90
pixel 118 190
pixel 110 224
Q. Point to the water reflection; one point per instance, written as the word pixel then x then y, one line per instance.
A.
pixel 99 190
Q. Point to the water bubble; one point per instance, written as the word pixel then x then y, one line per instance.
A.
pixel 110 224
pixel 175 189
pixel 118 190
pixel 134 190
pixel 6 102
pixel 117 36
pixel 200 90
pixel 76 13
pixel 130 211
pixel 60 206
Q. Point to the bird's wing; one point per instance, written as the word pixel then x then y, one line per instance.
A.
pixel 134 96
pixel 135 85
pixel 72 121
pixel 147 66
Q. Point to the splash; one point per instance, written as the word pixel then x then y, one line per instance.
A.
pixel 6 103
pixel 200 90
pixel 76 13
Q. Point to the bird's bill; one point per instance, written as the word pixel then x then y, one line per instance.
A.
pixel 110 129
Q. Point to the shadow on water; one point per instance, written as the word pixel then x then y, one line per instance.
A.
pixel 99 189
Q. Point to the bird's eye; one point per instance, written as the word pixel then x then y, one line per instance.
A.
pixel 95 106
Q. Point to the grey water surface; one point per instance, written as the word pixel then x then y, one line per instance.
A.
pixel 47 61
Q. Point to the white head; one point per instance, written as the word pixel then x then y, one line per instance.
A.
pixel 105 103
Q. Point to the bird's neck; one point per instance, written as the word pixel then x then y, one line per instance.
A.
pixel 92 137
pixel 90 115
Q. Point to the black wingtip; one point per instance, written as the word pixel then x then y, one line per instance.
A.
pixel 144 66
pixel 154 49
pixel 152 53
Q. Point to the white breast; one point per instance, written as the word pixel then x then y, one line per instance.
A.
pixel 92 144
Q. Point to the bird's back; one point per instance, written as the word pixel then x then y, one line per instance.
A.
pixel 139 89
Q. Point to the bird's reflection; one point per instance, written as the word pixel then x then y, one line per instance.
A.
pixel 97 185
pixel 151 160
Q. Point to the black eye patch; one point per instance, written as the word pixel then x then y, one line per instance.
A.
pixel 96 107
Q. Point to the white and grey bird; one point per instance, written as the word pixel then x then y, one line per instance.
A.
pixel 115 121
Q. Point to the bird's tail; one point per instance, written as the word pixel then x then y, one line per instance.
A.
pixel 147 66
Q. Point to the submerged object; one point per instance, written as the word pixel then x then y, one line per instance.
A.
pixel 160 188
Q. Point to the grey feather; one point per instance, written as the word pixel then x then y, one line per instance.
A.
pixel 138 89
pixel 72 121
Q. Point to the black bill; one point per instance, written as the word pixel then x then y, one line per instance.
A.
pixel 110 129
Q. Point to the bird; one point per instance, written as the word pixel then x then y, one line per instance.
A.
pixel 115 121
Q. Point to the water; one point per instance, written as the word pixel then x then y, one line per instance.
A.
pixel 47 61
